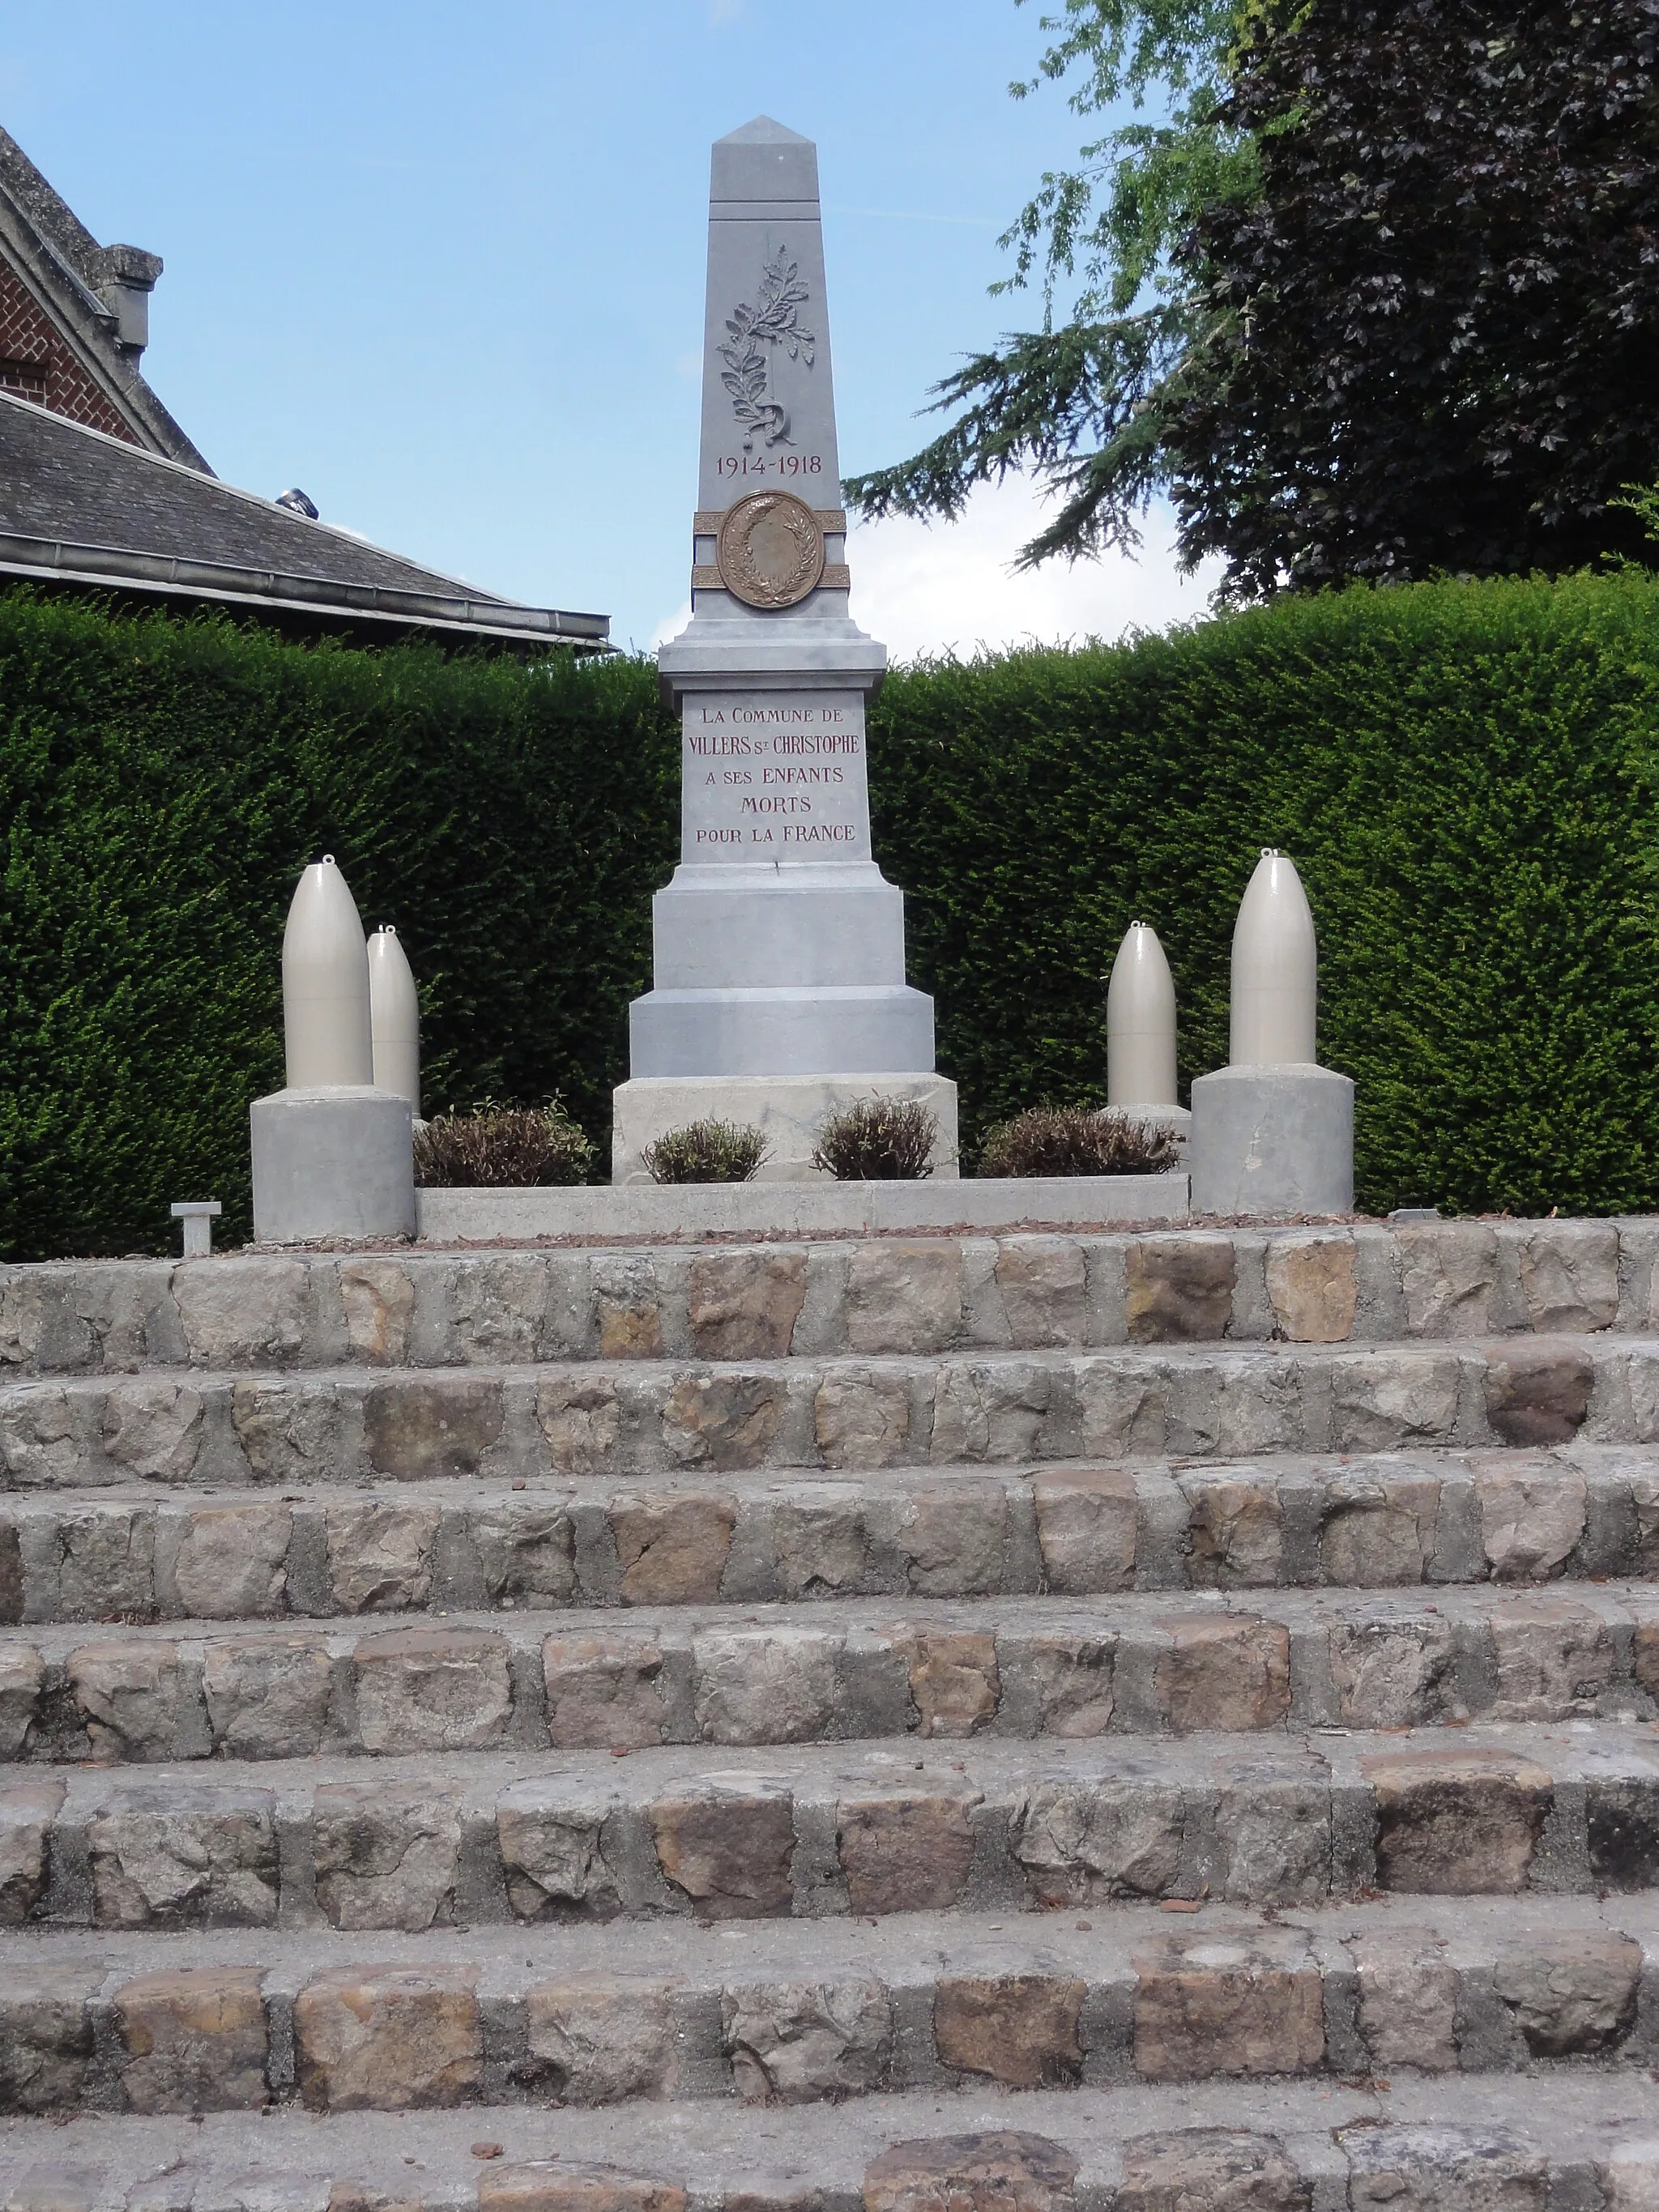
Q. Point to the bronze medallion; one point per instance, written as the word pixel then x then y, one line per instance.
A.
pixel 770 550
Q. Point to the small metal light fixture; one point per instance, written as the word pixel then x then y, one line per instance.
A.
pixel 198 1215
pixel 297 502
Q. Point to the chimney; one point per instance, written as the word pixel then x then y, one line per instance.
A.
pixel 127 276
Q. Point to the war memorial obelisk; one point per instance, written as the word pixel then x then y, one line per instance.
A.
pixel 779 946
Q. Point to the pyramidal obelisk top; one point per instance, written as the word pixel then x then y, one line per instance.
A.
pixel 768 575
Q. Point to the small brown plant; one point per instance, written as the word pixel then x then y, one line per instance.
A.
pixel 706 1151
pixel 496 1146
pixel 878 1140
pixel 1075 1140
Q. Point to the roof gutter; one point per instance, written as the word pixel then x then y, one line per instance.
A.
pixel 59 561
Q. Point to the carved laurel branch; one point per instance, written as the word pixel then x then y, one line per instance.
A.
pixel 775 320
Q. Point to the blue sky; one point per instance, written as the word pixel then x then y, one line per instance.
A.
pixel 443 266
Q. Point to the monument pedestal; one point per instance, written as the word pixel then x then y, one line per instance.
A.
pixel 1272 1140
pixel 335 1161
pixel 789 1110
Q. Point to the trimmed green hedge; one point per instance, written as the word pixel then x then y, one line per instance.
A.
pixel 1464 775
pixel 164 783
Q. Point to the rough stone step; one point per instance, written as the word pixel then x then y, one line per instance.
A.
pixel 1545 2139
pixel 763 1300
pixel 1016 1667
pixel 811 1832
pixel 657 1417
pixel 769 2015
pixel 1366 1521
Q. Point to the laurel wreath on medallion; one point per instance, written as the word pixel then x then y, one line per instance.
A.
pixel 770 550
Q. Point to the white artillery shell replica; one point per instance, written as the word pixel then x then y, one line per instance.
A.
pixel 325 984
pixel 394 1016
pixel 1275 994
pixel 1140 1022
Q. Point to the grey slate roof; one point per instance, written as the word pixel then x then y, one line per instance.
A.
pixel 76 505
pixel 63 263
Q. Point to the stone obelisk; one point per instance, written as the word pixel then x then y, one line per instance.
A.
pixel 779 946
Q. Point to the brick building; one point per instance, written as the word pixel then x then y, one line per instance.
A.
pixel 99 487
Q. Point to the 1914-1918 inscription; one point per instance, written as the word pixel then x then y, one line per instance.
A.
pixel 775 776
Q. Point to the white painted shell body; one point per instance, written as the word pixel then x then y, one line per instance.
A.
pixel 1140 1022
pixel 325 984
pixel 394 1015
pixel 1275 984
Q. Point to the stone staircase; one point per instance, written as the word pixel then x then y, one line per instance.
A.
pixel 956 1724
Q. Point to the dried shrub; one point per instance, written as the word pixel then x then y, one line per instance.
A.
pixel 495 1145
pixel 1075 1140
pixel 706 1151
pixel 878 1140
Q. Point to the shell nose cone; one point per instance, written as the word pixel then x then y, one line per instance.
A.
pixel 394 1019
pixel 1275 969
pixel 1140 1022
pixel 325 983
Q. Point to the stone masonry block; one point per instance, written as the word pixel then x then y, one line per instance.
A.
pixel 27 1814
pixel 728 1845
pixel 1004 2170
pixel 239 1312
pixel 797 2043
pixel 1087 1526
pixel 861 1418
pixel 380 1554
pixel 1571 1995
pixel 267 1697
pixel 600 2038
pixel 232 1561
pixel 440 1426
pixel 672 1548
pixel 1082 1843
pixel 21 1675
pixel 1459 1823
pixel 551 1833
pixel 380 2038
pixel 433 1689
pixel 771 1686
pixel 1179 1289
pixel 604 1692
pixel 1538 1393
pixel 1224 1671
pixel 45 2036
pixel 723 1420
pixel 1018 2029
pixel 1044 1284
pixel 184 1855
pixel 905 1849
pixel 1217 2004
pixel 194 2040
pixel 570 2187
pixel 904 1298
pixel 744 1305
pixel 1312 1288
pixel 385 1858
pixel 128 1695
pixel 1217 2169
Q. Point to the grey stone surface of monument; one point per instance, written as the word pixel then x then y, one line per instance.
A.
pixel 779 946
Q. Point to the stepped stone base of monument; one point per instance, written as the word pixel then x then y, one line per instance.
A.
pixel 789 1109
pixel 1023 1722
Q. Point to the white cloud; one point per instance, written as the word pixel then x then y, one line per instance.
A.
pixel 949 587
pixel 940 588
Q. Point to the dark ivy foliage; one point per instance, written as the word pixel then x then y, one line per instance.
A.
pixel 1378 296
pixel 1434 342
